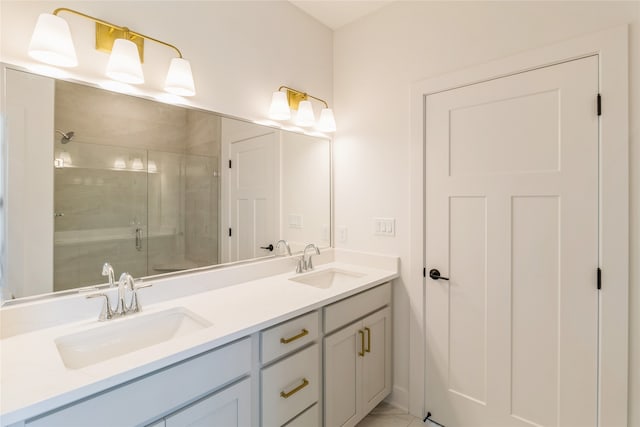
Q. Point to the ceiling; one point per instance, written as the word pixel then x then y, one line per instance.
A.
pixel 336 13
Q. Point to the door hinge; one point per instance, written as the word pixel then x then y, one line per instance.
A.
pixel 599 103
pixel 431 420
pixel 229 163
pixel 599 278
pixel 229 231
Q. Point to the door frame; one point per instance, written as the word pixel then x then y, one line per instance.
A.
pixel 611 46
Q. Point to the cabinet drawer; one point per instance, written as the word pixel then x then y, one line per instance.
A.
pixel 309 418
pixel 288 336
pixel 290 386
pixel 151 396
pixel 230 407
pixel 346 311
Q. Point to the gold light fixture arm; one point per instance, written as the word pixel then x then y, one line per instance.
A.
pixel 125 33
pixel 294 97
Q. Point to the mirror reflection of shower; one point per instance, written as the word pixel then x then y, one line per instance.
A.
pixel 63 158
pixel 66 136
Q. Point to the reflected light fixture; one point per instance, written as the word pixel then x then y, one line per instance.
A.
pixel 282 102
pixel 137 164
pixel 51 43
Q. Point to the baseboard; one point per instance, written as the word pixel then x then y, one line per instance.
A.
pixel 399 398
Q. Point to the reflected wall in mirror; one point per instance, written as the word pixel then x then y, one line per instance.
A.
pixel 94 176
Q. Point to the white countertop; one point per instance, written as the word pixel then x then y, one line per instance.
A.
pixel 34 380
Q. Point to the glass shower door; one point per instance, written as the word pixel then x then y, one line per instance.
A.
pixel 100 212
pixel 183 211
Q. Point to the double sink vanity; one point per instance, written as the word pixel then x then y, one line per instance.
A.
pixel 246 345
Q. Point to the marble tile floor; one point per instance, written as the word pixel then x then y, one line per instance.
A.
pixel 386 415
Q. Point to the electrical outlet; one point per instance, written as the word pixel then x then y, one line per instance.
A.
pixel 342 234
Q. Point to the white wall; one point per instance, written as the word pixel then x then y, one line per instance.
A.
pixel 240 51
pixel 377 58
pixel 29 99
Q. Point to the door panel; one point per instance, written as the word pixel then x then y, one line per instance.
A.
pixel 467 302
pixel 535 303
pixel 512 220
pixel 252 196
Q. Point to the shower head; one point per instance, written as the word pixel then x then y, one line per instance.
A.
pixel 66 137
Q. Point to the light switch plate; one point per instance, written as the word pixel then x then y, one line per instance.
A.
pixel 384 226
pixel 295 221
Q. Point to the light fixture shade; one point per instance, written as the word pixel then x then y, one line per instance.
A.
pixel 51 42
pixel 305 115
pixel 327 122
pixel 137 164
pixel 124 62
pixel 119 163
pixel 179 78
pixel 279 109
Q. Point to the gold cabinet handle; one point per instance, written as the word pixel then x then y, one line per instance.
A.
pixel 286 395
pixel 361 353
pixel 302 333
pixel 368 349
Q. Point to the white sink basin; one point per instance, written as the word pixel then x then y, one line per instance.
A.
pixel 126 335
pixel 327 278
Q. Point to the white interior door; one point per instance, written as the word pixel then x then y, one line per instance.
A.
pixel 512 221
pixel 252 196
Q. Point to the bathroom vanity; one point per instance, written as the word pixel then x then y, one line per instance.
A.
pixel 247 345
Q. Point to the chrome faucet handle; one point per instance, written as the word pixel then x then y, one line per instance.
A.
pixel 134 305
pixel 301 265
pixel 106 313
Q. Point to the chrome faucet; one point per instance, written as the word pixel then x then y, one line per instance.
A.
pixel 125 282
pixel 134 305
pixel 107 270
pixel 286 245
pixel 304 263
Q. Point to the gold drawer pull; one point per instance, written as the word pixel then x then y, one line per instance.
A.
pixel 303 333
pixel 361 353
pixel 368 349
pixel 305 382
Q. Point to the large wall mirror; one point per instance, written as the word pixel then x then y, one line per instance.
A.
pixel 94 176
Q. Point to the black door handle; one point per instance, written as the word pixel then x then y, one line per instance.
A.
pixel 270 247
pixel 435 275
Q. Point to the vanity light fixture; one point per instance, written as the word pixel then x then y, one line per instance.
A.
pixel 291 99
pixel 51 43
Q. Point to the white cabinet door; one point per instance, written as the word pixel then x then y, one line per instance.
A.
pixel 357 369
pixel 376 364
pixel 230 407
pixel 342 372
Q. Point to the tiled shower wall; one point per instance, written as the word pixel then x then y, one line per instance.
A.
pixel 176 206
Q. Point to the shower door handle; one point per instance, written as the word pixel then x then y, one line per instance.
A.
pixel 139 238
